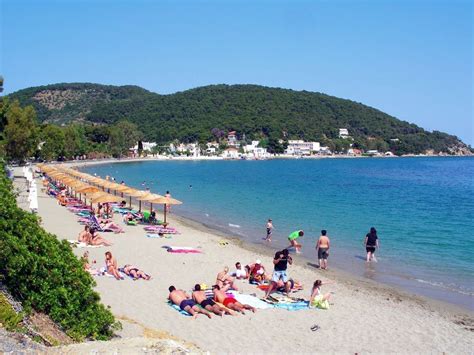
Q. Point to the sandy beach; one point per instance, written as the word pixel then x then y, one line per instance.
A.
pixel 364 317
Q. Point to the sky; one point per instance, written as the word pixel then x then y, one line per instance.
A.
pixel 411 59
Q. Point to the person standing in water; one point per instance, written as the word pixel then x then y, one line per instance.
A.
pixel 269 231
pixel 371 243
pixel 322 247
pixel 292 239
pixel 168 206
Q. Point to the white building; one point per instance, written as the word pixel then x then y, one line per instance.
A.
pixel 212 148
pixel 192 148
pixel 147 147
pixel 232 139
pixel 253 151
pixel 231 153
pixel 343 133
pixel 300 147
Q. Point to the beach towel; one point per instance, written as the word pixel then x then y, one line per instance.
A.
pixel 76 244
pixel 182 250
pixel 252 301
pixel 176 307
pixel 153 235
pixel 288 303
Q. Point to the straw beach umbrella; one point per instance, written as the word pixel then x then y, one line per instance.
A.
pixel 166 201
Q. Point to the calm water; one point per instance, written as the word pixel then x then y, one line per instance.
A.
pixel 423 209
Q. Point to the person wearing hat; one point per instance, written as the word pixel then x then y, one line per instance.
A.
pixel 256 272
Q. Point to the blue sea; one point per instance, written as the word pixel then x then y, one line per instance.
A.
pixel 422 208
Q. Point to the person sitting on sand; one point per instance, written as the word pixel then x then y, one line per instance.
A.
pixel 111 266
pixel 256 272
pixel 87 265
pixel 239 273
pixel 292 239
pixel 317 299
pixel 229 302
pixel 225 281
pixel 96 239
pixel 135 272
pixel 181 299
pixel 85 235
pixel 280 286
pixel 200 298
pixel 128 217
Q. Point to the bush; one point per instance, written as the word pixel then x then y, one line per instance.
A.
pixel 8 317
pixel 45 275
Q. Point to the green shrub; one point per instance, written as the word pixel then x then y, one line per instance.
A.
pixel 45 275
pixel 8 317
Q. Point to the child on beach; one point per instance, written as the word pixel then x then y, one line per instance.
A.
pixel 371 243
pixel 292 239
pixel 318 300
pixel 269 231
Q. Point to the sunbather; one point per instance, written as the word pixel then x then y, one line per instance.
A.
pixel 200 298
pixel 96 239
pixel 229 302
pixel 109 225
pixel 84 236
pixel 225 281
pixel 240 273
pixel 135 272
pixel 318 299
pixel 111 265
pixel 181 299
pixel 87 265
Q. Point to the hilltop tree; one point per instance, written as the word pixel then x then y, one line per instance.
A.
pixel 123 136
pixel 20 134
pixel 74 141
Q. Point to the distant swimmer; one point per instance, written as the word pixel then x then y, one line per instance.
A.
pixel 322 247
pixel 269 231
pixel 293 243
pixel 371 243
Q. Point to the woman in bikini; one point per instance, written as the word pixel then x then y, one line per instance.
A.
pixel 225 281
pixel 135 272
pixel 111 266
pixel 96 239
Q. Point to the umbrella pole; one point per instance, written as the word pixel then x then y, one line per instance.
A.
pixel 130 202
pixel 164 214
pixel 139 205
pixel 151 207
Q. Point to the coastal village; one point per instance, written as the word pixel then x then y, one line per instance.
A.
pixel 234 148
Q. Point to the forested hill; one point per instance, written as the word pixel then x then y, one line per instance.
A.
pixel 256 111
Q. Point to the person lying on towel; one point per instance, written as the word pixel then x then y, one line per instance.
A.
pixel 181 299
pixel 230 302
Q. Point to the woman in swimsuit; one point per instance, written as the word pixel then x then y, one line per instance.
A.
pixel 371 243
pixel 111 265
pixel 96 239
pixel 225 281
pixel 135 272
pixel 84 236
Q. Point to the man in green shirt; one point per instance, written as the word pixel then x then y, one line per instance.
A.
pixel 292 239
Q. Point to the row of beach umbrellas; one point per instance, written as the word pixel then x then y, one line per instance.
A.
pixel 94 188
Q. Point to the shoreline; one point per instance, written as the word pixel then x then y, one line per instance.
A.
pixel 389 278
pixel 398 320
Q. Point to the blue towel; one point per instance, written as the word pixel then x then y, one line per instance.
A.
pixel 184 313
pixel 295 306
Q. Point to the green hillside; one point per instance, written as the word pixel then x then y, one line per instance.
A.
pixel 256 111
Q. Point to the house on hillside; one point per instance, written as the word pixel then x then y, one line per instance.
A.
pixel 253 151
pixel 212 148
pixel 232 139
pixel 344 133
pixel 147 148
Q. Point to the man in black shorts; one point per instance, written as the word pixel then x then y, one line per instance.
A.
pixel 200 298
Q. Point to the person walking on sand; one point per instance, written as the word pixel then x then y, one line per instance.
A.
pixel 181 299
pixel 322 248
pixel 269 231
pixel 281 260
pixel 371 243
pixel 292 239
